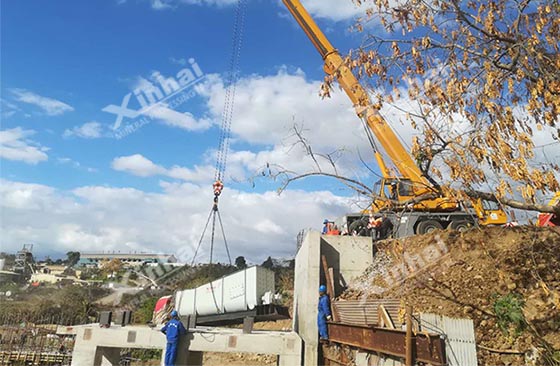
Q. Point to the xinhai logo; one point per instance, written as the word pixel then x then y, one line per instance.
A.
pixel 155 92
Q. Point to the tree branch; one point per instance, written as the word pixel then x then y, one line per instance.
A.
pixel 365 190
pixel 514 203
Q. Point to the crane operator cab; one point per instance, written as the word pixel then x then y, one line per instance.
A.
pixel 398 194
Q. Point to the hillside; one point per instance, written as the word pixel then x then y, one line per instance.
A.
pixel 506 279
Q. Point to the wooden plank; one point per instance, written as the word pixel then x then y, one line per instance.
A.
pixel 384 318
pixel 331 280
pixel 335 315
pixel 330 284
pixel 409 360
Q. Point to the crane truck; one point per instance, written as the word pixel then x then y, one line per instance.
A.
pixel 410 199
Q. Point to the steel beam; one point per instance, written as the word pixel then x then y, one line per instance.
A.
pixel 260 313
pixel 429 348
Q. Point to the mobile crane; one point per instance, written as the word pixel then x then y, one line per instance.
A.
pixel 411 200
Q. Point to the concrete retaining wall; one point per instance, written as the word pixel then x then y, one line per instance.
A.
pixel 348 255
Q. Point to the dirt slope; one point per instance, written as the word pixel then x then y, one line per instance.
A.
pixel 479 274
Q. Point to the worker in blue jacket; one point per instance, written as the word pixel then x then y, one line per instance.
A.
pixel 172 330
pixel 324 312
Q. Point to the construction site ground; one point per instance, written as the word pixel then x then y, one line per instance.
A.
pixel 221 359
pixel 464 274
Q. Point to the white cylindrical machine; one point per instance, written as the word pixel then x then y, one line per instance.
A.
pixel 240 291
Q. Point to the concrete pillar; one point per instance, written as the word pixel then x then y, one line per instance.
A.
pixel 184 356
pixel 188 358
pixel 86 351
pixel 83 354
pixel 289 360
pixel 310 354
pixel 306 297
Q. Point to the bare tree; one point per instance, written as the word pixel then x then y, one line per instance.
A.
pixel 326 165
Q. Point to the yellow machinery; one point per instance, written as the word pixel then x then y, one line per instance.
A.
pixel 403 194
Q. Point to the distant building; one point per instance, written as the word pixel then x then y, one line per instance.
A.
pixel 128 259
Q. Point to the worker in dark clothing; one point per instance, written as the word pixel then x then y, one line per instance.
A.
pixel 386 228
pixel 324 312
pixel 394 192
pixel 173 329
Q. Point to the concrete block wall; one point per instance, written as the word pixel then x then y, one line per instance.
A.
pixel 349 256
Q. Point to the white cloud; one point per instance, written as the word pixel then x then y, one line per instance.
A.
pixel 138 165
pixel 169 4
pixel 143 167
pixel 8 109
pixel 547 148
pixel 105 218
pixel 174 118
pixel 50 106
pixel 24 196
pixel 89 130
pixel 335 10
pixel 14 145
pixel 161 4
pixel 75 164
pixel 198 174
pixel 161 112
pixel 242 165
pixel 267 107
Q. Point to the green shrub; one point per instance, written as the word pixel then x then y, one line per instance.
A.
pixel 144 313
pixel 509 311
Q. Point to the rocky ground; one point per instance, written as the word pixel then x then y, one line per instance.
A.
pixel 238 359
pixel 506 279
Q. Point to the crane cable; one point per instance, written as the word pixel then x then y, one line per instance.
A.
pixel 227 116
pixel 231 86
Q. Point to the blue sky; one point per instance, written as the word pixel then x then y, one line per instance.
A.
pixel 62 167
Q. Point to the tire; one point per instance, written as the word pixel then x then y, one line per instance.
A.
pixel 461 225
pixel 428 226
pixel 360 227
